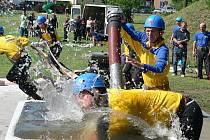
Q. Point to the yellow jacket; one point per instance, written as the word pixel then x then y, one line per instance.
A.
pixel 11 45
pixel 151 78
pixel 152 106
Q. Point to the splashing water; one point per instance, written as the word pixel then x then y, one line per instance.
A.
pixel 60 101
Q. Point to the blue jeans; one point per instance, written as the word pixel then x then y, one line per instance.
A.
pixel 179 54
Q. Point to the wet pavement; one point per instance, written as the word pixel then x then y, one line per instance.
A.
pixel 10 95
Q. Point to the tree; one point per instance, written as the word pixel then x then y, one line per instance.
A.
pixel 127 6
pixel 179 4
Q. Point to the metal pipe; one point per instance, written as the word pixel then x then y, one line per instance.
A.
pixel 114 50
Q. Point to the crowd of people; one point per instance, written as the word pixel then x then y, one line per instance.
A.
pixel 83 29
pixel 200 48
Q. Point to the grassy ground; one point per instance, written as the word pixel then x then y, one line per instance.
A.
pixel 76 57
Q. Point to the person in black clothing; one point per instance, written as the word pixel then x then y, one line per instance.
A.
pixel 77 30
pixel 83 28
pixel 31 20
pixel 66 25
pixel 180 38
pixel 54 21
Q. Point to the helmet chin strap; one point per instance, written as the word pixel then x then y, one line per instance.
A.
pixel 158 40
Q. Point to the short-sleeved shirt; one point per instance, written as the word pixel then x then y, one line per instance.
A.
pixel 202 38
pixel 23 21
pixel 176 28
pixel 179 35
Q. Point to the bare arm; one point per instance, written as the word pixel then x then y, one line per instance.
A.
pixel 171 39
pixel 194 48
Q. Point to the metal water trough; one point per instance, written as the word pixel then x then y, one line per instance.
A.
pixel 22 110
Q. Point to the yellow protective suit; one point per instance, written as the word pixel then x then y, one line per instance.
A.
pixel 11 45
pixel 49 34
pixel 151 79
pixel 152 106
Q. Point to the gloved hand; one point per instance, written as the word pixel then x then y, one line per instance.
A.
pixel 116 12
pixel 135 62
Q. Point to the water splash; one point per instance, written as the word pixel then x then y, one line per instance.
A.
pixel 61 102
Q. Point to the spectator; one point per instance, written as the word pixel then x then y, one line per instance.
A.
pixel 177 27
pixel 66 26
pixel 83 28
pixel 201 46
pixel 180 38
pixel 54 21
pixel 89 24
pixel 23 24
pixel 31 20
pixel 77 30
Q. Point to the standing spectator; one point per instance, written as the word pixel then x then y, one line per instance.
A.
pixel 83 28
pixel 54 21
pixel 23 24
pixel 177 27
pixel 180 38
pixel 31 20
pixel 47 19
pixel 77 30
pixel 66 25
pixel 89 23
pixel 201 46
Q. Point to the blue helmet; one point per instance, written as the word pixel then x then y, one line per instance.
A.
pixel 1 30
pixel 41 19
pixel 130 25
pixel 87 81
pixel 179 19
pixel 154 21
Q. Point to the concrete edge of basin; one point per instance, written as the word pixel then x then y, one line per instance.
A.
pixel 16 116
pixel 205 114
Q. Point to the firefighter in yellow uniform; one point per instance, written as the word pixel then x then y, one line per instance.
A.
pixel 152 106
pixel 13 48
pixel 49 34
pixel 153 53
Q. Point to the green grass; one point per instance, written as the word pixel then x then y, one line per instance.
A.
pixel 76 57
pixel 196 88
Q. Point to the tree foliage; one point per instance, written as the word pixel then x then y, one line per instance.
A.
pixel 127 6
pixel 208 2
pixel 179 4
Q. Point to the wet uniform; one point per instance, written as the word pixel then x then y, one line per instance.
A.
pixel 13 48
pixel 49 34
pixel 155 106
pixel 155 60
